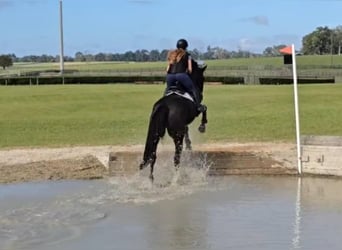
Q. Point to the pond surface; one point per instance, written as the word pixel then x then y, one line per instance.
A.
pixel 193 212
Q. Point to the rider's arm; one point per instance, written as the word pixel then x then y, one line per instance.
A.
pixel 189 65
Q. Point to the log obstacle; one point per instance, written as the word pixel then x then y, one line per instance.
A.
pixel 322 155
pixel 218 163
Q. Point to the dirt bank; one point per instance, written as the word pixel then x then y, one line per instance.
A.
pixel 37 164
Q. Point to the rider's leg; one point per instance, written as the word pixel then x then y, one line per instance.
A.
pixel 187 83
pixel 171 80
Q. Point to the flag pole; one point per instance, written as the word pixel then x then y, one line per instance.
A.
pixel 295 88
pixel 61 57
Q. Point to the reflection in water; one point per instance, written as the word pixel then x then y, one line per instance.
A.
pixel 34 214
pixel 236 212
pixel 296 238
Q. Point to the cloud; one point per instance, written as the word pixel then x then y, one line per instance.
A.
pixel 198 43
pixel 258 44
pixel 258 20
pixel 245 44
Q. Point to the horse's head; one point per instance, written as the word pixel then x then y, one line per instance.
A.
pixel 197 75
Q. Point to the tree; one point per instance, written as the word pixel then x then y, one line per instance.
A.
pixel 154 55
pixel 273 51
pixel 128 56
pixel 337 40
pixel 319 41
pixel 101 57
pixel 196 54
pixel 5 61
pixel 46 58
pixel 219 53
pixel 79 57
pixel 163 54
pixel 209 54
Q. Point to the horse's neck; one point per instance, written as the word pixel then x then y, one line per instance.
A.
pixel 195 82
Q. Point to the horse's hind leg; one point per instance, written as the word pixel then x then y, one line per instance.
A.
pixel 187 139
pixel 178 141
pixel 151 158
pixel 150 162
pixel 152 167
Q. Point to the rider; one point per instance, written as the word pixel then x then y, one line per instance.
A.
pixel 178 70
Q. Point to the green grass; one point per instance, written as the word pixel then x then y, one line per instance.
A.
pixel 64 115
pixel 321 60
pixel 72 115
pixel 266 113
pixel 302 61
pixel 86 66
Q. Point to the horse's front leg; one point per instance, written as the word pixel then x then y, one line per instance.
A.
pixel 204 120
pixel 187 139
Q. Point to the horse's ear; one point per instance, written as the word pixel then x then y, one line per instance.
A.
pixel 204 68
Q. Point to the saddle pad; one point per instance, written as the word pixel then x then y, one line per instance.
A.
pixel 182 94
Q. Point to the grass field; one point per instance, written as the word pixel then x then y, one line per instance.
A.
pixel 64 115
pixel 213 65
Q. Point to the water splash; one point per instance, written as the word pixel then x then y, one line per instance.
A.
pixel 169 183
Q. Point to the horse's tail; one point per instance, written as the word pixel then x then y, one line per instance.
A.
pixel 156 130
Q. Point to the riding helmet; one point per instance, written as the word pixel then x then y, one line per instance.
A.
pixel 182 44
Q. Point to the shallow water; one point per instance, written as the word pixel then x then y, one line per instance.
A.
pixel 187 212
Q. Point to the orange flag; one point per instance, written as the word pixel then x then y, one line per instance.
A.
pixel 286 50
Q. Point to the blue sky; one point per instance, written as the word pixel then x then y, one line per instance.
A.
pixel 116 26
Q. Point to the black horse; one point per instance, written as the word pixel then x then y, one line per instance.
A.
pixel 174 112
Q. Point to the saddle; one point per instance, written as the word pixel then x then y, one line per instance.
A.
pixel 178 91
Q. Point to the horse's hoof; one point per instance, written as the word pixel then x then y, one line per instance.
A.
pixel 188 147
pixel 201 128
pixel 142 166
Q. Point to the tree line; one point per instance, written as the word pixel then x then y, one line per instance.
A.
pixel 323 40
pixel 136 56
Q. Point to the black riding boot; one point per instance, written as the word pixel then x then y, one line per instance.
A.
pixel 200 108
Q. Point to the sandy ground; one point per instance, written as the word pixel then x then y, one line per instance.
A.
pixel 36 164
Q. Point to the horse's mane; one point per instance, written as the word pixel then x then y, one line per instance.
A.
pixel 194 65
